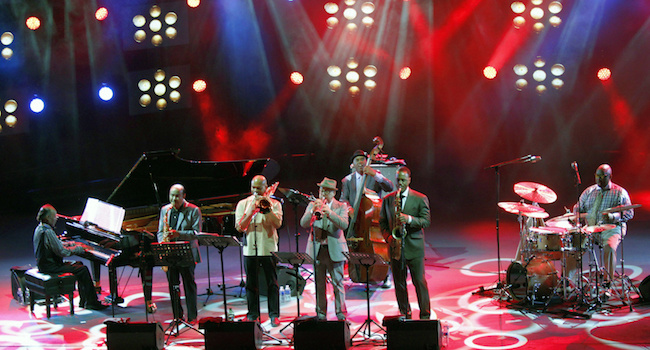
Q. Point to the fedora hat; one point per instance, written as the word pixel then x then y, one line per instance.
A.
pixel 358 153
pixel 327 183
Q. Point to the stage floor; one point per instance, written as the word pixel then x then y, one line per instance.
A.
pixel 462 260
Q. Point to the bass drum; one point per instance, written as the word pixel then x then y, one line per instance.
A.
pixel 536 280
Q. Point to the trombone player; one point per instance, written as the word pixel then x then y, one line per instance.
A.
pixel 258 217
pixel 402 222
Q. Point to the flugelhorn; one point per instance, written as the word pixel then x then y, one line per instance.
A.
pixel 264 202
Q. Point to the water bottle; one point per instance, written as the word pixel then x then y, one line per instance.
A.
pixel 287 293
pixel 445 334
pixel 231 315
pixel 283 294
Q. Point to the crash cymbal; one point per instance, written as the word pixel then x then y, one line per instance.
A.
pixel 598 228
pixel 621 208
pixel 518 207
pixel 535 192
pixel 547 229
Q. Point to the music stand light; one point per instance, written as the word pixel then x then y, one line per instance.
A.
pixel 174 254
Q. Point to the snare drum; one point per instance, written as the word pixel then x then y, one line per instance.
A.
pixel 576 240
pixel 535 279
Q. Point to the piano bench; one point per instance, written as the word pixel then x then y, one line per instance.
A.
pixel 49 286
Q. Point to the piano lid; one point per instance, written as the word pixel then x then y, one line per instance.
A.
pixel 150 178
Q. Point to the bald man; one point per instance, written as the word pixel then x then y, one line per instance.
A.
pixel 180 220
pixel 602 195
pixel 258 217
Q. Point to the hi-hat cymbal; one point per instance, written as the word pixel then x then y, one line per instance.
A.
pixel 598 228
pixel 519 208
pixel 535 192
pixel 547 229
pixel 621 208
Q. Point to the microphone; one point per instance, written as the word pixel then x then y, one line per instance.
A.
pixel 574 166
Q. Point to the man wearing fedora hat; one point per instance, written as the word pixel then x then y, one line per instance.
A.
pixel 328 219
pixel 352 182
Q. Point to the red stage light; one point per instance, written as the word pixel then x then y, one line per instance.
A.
pixel 490 72
pixel 405 73
pixel 297 78
pixel 604 74
pixel 33 23
pixel 101 13
pixel 199 85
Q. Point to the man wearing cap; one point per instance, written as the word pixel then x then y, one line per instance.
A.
pixel 328 218
pixel 352 182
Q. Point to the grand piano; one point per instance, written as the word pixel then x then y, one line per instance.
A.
pixel 215 187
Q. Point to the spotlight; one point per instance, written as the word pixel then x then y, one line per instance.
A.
pixel 11 121
pixel 105 93
pixel 354 91
pixel 557 69
pixel 335 85
pixel 101 13
pixel 368 7
pixel 7 53
pixel 36 105
pixel 11 106
pixel 193 3
pixel 537 13
pixel 353 63
pixel 297 78
pixel 539 75
pixel 520 84
pixel 555 7
pixel 540 89
pixel 352 76
pixel 350 13
pixel 7 38
pixel 331 8
pixel 33 23
pixel 518 7
pixel 334 71
pixel 405 73
pixel 490 72
pixel 555 21
pixel 332 22
pixel 370 71
pixel 370 84
pixel 520 69
pixel 604 74
pixel 557 83
pixel 199 85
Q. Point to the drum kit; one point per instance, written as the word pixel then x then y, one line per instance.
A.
pixel 533 276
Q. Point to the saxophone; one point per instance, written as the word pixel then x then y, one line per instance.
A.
pixel 165 237
pixel 399 230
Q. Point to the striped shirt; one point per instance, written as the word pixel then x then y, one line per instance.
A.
pixel 613 195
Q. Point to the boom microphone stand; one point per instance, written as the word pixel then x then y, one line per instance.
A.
pixel 525 159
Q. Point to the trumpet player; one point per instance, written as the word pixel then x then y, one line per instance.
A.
pixel 258 217
pixel 326 245
pixel 180 220
pixel 403 228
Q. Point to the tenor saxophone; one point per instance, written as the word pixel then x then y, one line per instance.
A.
pixel 165 237
pixel 399 230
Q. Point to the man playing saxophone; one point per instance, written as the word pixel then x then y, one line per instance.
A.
pixel 406 218
pixel 181 221
pixel 259 216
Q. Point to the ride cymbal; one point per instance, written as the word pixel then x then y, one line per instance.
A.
pixel 518 207
pixel 535 192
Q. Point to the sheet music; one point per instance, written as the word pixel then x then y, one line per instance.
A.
pixel 105 215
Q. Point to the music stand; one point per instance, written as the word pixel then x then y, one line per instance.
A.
pixel 219 242
pixel 296 260
pixel 366 260
pixel 174 254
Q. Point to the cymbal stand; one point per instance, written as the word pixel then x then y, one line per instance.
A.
pixel 626 283
pixel 594 275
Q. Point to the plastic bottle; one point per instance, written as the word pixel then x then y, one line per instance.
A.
pixel 283 294
pixel 288 293
pixel 231 315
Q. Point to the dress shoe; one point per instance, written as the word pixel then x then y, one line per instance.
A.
pixel 151 308
pixel 387 283
pixel 250 319
pixel 95 306
pixel 408 316
pixel 275 322
pixel 340 317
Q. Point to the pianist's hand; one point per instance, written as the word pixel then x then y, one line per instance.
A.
pixel 173 234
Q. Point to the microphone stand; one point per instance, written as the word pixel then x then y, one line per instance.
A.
pixel 496 167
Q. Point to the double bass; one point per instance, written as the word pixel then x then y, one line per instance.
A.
pixel 364 234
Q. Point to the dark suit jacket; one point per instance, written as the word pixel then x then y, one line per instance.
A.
pixel 349 187
pixel 417 205
pixel 188 225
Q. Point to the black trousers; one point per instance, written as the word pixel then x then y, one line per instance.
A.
pixel 189 287
pixel 252 265
pixel 85 285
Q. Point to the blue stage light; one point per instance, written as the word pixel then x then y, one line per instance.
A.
pixel 36 105
pixel 105 93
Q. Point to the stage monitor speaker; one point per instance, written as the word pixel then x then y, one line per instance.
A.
pixel 310 334
pixel 412 334
pixel 226 335
pixel 286 276
pixel 134 335
pixel 644 289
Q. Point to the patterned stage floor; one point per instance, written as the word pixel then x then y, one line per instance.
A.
pixel 461 260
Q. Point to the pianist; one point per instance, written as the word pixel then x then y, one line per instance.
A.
pixel 50 251
pixel 181 221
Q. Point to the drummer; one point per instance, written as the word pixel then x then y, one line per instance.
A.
pixel 594 200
